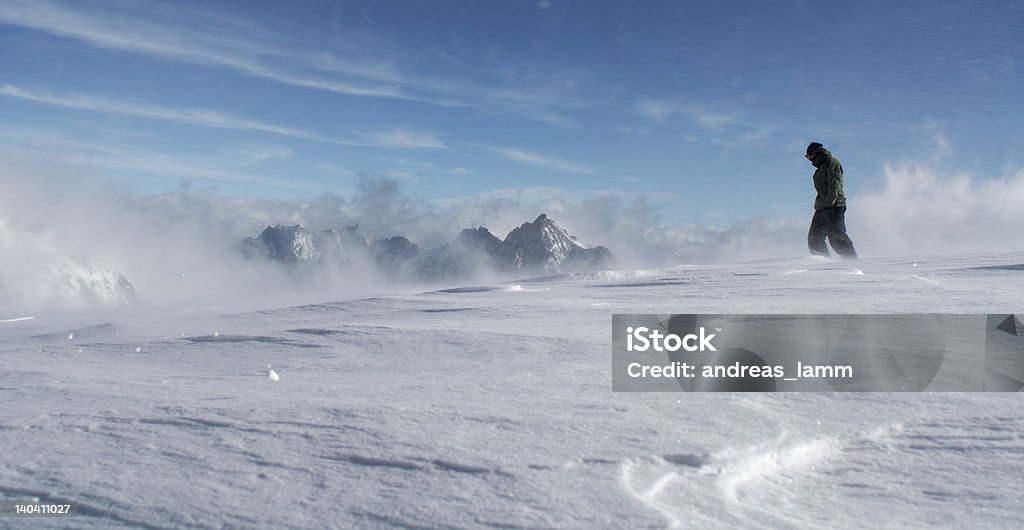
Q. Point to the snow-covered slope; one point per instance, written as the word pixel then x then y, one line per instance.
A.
pixel 490 406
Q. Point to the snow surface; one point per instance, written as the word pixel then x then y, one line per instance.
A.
pixel 491 406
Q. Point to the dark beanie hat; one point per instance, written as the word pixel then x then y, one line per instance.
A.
pixel 814 148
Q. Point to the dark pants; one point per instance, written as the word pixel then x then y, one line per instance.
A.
pixel 830 223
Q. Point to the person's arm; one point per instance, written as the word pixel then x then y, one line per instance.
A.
pixel 834 178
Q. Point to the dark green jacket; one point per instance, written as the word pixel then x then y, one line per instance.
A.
pixel 828 181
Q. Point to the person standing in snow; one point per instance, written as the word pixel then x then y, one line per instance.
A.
pixel 829 219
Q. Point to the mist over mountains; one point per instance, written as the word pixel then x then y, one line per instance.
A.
pixel 538 247
pixel 54 278
pixel 182 247
pixel 311 260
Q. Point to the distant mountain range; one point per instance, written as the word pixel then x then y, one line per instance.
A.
pixel 540 247
pixel 48 278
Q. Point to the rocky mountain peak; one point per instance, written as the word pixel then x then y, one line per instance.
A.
pixel 539 246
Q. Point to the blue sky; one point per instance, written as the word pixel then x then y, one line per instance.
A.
pixel 703 107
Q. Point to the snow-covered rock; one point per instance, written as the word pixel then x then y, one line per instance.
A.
pixel 287 244
pixel 295 244
pixel 538 247
pixel 544 246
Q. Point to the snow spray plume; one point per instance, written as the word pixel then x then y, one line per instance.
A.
pixel 923 210
pixel 179 247
pixel 183 246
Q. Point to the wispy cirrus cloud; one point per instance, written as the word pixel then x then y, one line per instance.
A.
pixel 393 138
pixel 405 139
pixel 238 164
pixel 725 128
pixel 397 138
pixel 660 110
pixel 536 159
pixel 122 31
pixel 234 47
pixel 200 117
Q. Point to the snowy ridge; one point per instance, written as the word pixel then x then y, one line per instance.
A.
pixel 532 248
pixel 544 246
pixel 294 245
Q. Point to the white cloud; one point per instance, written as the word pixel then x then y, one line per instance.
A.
pixel 656 109
pixel 200 117
pixel 661 110
pixel 535 159
pixel 233 164
pixel 931 134
pixel 405 139
pixel 120 31
pixel 525 194
pixel 395 138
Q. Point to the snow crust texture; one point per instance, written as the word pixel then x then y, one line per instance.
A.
pixel 490 406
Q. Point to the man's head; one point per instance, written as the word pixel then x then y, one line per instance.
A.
pixel 813 149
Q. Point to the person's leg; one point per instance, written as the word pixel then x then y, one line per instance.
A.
pixel 837 236
pixel 816 234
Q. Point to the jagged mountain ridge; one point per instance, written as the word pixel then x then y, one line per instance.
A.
pixel 294 244
pixel 544 245
pixel 540 246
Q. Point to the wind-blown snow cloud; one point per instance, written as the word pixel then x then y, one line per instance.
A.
pixel 921 209
pixel 175 248
pixel 184 245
